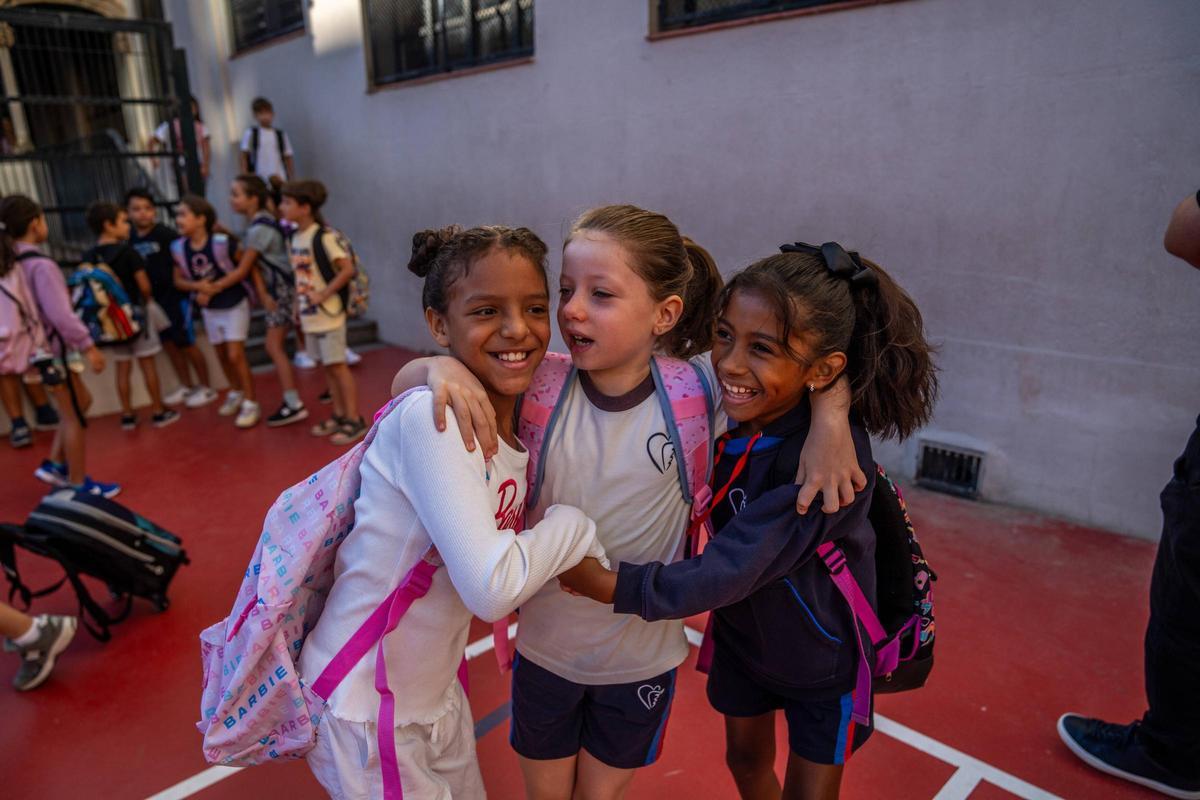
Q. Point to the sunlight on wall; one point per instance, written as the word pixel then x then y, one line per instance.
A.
pixel 335 25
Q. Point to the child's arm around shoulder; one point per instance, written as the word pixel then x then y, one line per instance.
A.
pixel 763 543
pixel 493 570
pixel 456 386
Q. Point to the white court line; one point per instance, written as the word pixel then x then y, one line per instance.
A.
pixel 961 784
pixel 202 780
pixel 968 775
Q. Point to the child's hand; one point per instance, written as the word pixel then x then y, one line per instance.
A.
pixel 268 303
pixel 454 384
pixel 589 578
pixel 828 461
pixel 314 297
pixel 94 358
pixel 202 299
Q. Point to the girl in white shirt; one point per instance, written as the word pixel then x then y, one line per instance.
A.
pixel 422 496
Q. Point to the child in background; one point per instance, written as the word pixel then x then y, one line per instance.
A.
pixel 22 341
pixel 266 150
pixel 204 264
pixel 323 269
pixel 423 496
pixel 152 240
pixel 22 229
pixel 274 281
pixel 110 223
pixel 783 636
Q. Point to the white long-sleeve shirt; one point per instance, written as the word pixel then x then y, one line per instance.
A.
pixel 421 488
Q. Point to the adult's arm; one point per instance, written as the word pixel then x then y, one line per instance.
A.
pixel 1182 238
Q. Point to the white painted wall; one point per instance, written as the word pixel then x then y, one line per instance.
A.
pixel 1013 164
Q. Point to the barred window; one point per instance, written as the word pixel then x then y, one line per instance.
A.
pixel 673 15
pixel 258 21
pixel 413 38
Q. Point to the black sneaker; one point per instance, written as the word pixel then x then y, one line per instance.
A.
pixel 325 397
pixel 20 436
pixel 128 422
pixel 37 659
pixel 1115 749
pixel 45 418
pixel 286 415
pixel 164 419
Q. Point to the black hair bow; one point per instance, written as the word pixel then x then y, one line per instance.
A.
pixel 841 264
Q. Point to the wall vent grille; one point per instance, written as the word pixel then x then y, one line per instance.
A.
pixel 950 469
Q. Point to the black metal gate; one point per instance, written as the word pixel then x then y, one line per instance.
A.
pixel 83 99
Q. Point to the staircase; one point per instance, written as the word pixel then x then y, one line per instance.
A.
pixel 359 333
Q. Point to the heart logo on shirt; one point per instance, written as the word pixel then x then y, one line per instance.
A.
pixel 737 499
pixel 649 695
pixel 661 450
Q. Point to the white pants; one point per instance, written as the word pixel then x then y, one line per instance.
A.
pixel 227 324
pixel 437 761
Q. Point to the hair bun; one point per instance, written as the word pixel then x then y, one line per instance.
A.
pixel 426 246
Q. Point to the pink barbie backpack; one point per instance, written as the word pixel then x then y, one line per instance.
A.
pixel 687 404
pixel 253 706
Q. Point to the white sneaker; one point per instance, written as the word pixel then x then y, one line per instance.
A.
pixel 304 361
pixel 178 396
pixel 248 414
pixel 200 396
pixel 233 402
pixel 352 357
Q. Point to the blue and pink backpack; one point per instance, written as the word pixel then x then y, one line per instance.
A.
pixel 222 255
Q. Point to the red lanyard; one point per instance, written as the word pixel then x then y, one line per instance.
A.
pixel 737 470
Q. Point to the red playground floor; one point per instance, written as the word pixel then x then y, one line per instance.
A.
pixel 1035 617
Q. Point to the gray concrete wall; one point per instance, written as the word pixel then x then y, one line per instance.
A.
pixel 1013 164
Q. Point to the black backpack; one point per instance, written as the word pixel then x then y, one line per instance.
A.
pixel 89 535
pixel 253 154
pixel 903 577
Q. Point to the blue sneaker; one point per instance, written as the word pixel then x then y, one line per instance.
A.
pixel 107 490
pixel 53 473
pixel 1115 749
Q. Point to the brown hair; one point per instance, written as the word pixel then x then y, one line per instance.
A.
pixel 443 256
pixel 670 264
pixel 256 187
pixel 311 193
pixel 201 208
pixel 889 364
pixel 261 104
pixel 17 213
pixel 100 212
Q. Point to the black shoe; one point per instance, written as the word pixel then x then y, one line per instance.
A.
pixel 164 419
pixel 128 422
pixel 325 397
pixel 20 436
pixel 286 415
pixel 1115 749
pixel 45 418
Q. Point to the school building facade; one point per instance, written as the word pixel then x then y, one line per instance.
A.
pixel 1012 164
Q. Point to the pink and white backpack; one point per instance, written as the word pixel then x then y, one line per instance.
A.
pixel 687 405
pixel 21 333
pixel 253 706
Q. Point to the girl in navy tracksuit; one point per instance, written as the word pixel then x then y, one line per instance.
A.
pixel 782 635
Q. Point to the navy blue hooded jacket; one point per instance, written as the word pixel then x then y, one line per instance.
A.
pixel 777 612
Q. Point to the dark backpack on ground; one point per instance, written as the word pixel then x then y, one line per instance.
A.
pixel 253 154
pixel 89 535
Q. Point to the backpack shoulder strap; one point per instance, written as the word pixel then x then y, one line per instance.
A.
pixel 320 255
pixel 28 254
pixel 220 248
pixel 538 412
pixel 687 405
pixel 281 141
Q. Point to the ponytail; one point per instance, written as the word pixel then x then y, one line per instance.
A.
pixel 856 308
pixel 670 264
pixel 17 213
pixel 256 187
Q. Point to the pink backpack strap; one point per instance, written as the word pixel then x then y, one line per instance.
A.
pixel 177 253
pixel 540 406
pixel 688 406
pixel 860 608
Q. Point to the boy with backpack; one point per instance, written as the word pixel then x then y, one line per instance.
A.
pixel 266 150
pixel 110 223
pixel 152 240
pixel 324 267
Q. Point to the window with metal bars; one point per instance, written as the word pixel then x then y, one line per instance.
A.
pixel 410 39
pixel 258 21
pixel 673 15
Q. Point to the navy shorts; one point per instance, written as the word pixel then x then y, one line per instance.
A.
pixel 820 731
pixel 182 332
pixel 621 724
